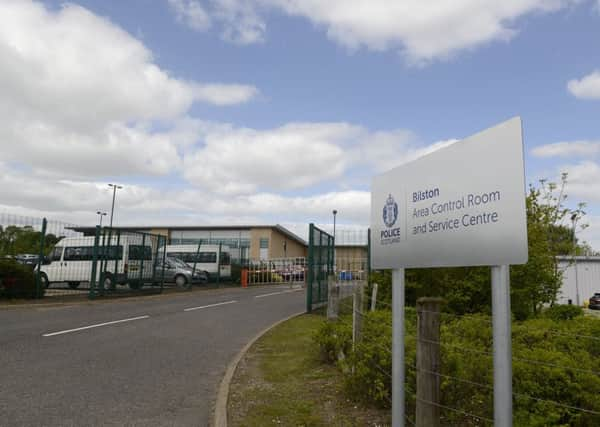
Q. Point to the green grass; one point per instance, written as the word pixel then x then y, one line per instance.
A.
pixel 282 381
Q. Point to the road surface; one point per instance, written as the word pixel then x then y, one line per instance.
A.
pixel 145 362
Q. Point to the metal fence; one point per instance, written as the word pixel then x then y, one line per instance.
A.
pixel 42 258
pixel 25 241
pixel 116 262
pixel 275 271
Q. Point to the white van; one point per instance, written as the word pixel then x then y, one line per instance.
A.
pixel 207 258
pixel 124 259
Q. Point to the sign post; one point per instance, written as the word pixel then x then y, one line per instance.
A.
pixel 501 331
pixel 463 205
pixel 398 375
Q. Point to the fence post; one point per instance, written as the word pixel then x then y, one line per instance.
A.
pixel 310 271
pixel 333 296
pixel 94 263
pixel 428 362
pixel 162 267
pixel 374 297
pixel 41 258
pixel 357 306
pixel 219 266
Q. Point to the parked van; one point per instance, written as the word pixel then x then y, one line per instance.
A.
pixel 124 259
pixel 206 258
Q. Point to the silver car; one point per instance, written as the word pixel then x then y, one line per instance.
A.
pixel 178 272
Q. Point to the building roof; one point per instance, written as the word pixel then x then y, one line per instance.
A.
pixel 579 258
pixel 279 228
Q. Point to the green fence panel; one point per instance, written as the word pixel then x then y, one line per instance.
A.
pixel 321 256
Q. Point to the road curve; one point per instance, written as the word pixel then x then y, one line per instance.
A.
pixel 146 362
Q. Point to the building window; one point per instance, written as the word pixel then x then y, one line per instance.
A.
pixel 264 243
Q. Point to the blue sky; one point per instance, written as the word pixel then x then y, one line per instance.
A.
pixel 222 111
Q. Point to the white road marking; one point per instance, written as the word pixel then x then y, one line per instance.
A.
pixel 210 305
pixel 277 293
pixel 95 326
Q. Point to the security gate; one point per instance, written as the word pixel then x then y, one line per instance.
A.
pixel 320 266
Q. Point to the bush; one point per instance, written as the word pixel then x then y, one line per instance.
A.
pixel 553 361
pixel 334 338
pixel 563 312
pixel 17 281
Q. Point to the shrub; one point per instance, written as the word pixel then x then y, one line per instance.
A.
pixel 334 338
pixel 553 361
pixel 16 280
pixel 563 312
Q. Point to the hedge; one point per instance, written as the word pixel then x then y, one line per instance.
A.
pixel 17 281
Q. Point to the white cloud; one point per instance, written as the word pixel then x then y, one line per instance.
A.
pixel 568 149
pixel 587 87
pixel 296 156
pixel 584 181
pixel 77 201
pixel 191 13
pixel 242 23
pixel 80 96
pixel 225 94
pixel 422 31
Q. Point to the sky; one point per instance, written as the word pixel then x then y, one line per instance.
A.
pixel 279 111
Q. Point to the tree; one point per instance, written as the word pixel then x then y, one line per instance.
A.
pixel 24 240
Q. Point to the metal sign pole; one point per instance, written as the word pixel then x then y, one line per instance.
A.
pixel 398 347
pixel 501 323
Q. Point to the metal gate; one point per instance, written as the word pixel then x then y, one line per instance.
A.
pixel 320 266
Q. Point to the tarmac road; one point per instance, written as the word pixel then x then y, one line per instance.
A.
pixel 145 362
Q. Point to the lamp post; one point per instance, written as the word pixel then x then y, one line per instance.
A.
pixel 101 214
pixel 574 221
pixel 112 209
pixel 334 214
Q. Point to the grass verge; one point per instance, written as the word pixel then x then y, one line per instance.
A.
pixel 282 381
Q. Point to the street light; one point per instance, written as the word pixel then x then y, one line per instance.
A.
pixel 101 215
pixel 112 209
pixel 334 214
pixel 574 221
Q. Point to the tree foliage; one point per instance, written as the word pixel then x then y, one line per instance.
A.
pixel 24 240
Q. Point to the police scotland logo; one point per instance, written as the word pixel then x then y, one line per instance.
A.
pixel 390 216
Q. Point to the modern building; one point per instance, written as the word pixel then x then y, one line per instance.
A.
pixel 247 242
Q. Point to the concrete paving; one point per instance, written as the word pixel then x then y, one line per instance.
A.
pixel 155 362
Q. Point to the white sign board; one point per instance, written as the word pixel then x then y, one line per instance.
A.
pixel 463 205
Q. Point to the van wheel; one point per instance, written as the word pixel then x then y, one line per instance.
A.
pixel 44 281
pixel 73 285
pixel 180 281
